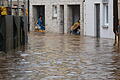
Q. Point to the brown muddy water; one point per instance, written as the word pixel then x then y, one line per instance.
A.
pixel 62 57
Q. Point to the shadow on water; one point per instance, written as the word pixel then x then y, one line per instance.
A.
pixel 62 57
pixel 9 62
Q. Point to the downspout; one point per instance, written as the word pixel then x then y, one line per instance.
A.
pixel 28 15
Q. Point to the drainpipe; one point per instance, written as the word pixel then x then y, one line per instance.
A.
pixel 83 16
pixel 28 15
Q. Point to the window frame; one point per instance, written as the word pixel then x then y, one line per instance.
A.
pixel 54 11
pixel 106 13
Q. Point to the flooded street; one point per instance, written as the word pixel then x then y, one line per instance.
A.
pixel 62 57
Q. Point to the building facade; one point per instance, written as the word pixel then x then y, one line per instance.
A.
pixel 119 9
pixel 98 18
pixel 58 15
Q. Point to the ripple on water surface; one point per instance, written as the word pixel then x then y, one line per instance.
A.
pixel 62 57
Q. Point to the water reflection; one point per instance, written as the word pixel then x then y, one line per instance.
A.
pixel 62 57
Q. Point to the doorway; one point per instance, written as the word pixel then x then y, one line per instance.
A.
pixel 97 20
pixel 73 14
pixel 61 18
pixel 39 10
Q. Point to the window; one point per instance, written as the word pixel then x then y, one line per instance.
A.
pixel 54 7
pixel 105 14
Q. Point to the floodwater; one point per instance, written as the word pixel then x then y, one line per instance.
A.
pixel 62 57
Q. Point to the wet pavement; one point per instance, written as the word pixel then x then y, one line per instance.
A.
pixel 62 57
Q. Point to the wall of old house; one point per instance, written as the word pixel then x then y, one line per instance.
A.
pixel 119 9
pixel 106 30
pixel 54 24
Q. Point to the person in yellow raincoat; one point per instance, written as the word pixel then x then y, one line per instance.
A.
pixel 3 10
pixel 74 29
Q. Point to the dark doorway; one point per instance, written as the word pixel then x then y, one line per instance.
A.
pixel 39 10
pixel 61 18
pixel 97 20
pixel 74 13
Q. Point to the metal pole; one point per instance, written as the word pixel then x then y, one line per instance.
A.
pixel 28 15
pixel 18 7
pixel 83 14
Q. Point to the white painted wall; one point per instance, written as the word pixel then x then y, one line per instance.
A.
pixel 89 19
pixel 119 9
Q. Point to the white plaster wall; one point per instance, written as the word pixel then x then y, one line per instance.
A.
pixel 108 33
pixel 119 9
pixel 89 20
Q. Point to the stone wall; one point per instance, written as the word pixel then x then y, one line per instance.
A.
pixel 53 24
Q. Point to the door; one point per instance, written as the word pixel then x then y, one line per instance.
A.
pixel 75 13
pixel 97 20
pixel 61 18
pixel 41 12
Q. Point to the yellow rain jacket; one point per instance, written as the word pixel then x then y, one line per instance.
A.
pixel 75 26
pixel 3 10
